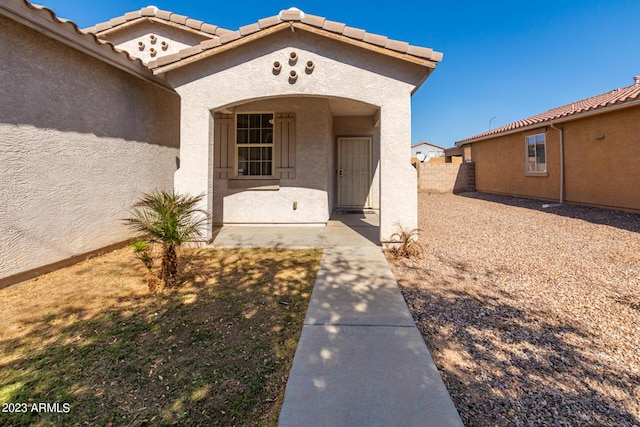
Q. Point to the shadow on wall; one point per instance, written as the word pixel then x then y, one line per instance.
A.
pixel 52 86
pixel 563 397
pixel 620 219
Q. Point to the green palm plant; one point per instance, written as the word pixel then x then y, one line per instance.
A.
pixel 169 219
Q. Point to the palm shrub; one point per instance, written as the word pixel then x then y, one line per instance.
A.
pixel 168 219
pixel 143 250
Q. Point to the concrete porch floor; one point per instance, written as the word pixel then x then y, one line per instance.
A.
pixel 342 229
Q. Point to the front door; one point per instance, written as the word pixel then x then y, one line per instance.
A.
pixel 354 172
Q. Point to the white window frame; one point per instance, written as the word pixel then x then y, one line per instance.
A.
pixel 256 145
pixel 536 168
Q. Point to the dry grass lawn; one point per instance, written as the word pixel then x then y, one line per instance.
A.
pixel 215 351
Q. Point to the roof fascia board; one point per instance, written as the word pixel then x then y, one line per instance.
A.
pixel 365 45
pixel 90 47
pixel 305 27
pixel 424 79
pixel 564 119
pixel 222 48
pixel 139 20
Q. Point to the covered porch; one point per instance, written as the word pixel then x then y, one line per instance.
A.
pixel 344 228
pixel 294 160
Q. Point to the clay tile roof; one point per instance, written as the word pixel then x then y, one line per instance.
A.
pixel 599 102
pixel 152 12
pixel 299 19
pixel 45 20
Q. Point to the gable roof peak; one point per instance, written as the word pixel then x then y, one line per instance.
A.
pixel 153 13
pixel 291 14
pixel 295 18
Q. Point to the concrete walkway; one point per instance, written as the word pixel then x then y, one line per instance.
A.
pixel 360 360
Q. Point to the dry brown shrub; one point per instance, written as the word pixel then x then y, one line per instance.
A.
pixel 404 244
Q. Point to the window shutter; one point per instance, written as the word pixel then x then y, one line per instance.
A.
pixel 285 146
pixel 223 143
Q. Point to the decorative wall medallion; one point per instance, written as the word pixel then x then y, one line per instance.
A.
pixel 293 61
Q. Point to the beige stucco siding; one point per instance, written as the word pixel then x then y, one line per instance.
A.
pixel 79 142
pixel 166 40
pixel 500 166
pixel 342 71
pixel 601 154
pixel 604 172
pixel 309 190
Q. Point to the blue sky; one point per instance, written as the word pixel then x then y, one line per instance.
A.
pixel 508 59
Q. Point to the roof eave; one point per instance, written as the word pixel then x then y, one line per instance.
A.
pixel 137 21
pixel 178 63
pixel 570 117
pixel 428 63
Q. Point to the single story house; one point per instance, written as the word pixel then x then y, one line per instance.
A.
pixel 282 121
pixel 425 151
pixel 586 152
pixel 457 155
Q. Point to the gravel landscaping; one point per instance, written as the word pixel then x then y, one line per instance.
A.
pixel 532 315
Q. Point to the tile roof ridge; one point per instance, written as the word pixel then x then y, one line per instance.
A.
pixel 161 15
pixel 295 16
pixel 616 96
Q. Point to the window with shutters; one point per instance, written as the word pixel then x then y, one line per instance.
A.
pixel 251 146
pixel 254 145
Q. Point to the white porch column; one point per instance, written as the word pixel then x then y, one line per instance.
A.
pixel 398 179
pixel 196 150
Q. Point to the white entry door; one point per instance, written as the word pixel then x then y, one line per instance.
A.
pixel 354 172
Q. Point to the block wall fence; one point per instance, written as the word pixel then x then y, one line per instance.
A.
pixel 446 177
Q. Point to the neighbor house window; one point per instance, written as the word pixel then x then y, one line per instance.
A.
pixel 254 144
pixel 536 153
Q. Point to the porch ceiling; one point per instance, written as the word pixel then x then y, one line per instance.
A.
pixel 349 107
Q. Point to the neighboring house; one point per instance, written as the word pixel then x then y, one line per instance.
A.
pixel 280 122
pixel 457 155
pixel 425 151
pixel 586 152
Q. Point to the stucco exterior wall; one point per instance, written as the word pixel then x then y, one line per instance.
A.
pixel 501 168
pixel 598 171
pixel 79 142
pixel 165 41
pixel 604 172
pixel 342 71
pixel 310 188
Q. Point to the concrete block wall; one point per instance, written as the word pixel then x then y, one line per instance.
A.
pixel 446 177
